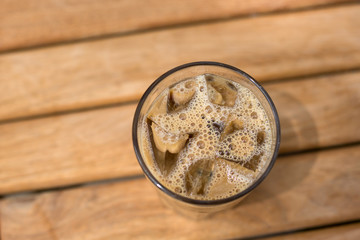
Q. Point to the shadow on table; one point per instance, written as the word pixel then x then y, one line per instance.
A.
pixel 298 133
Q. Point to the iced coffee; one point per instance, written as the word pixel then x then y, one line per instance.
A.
pixel 206 137
pixel 205 134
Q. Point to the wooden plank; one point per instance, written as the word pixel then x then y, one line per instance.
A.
pixel 93 145
pixel 345 232
pixel 116 70
pixel 24 24
pixel 67 149
pixel 302 190
pixel 314 114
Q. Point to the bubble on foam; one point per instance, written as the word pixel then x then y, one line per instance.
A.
pixel 182 116
pixel 205 143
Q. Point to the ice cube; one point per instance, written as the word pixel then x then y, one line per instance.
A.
pixel 160 106
pixel 239 168
pixel 198 176
pixel 253 163
pixel 232 125
pixel 260 137
pixel 164 159
pixel 229 177
pixel 214 96
pixel 221 91
pixel 166 141
pixel 180 96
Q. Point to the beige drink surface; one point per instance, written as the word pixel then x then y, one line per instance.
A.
pixel 206 138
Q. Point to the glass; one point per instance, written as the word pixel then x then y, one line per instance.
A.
pixel 187 206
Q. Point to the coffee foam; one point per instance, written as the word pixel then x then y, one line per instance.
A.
pixel 204 122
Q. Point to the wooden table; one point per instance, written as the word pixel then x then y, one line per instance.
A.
pixel 71 73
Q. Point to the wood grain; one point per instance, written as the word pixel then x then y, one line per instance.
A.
pixel 25 23
pixel 345 232
pixel 318 112
pixel 94 145
pixel 67 149
pixel 301 191
pixel 119 69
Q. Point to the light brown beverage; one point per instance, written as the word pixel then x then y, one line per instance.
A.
pixel 206 138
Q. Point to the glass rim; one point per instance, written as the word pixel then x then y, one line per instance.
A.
pixel 167 191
